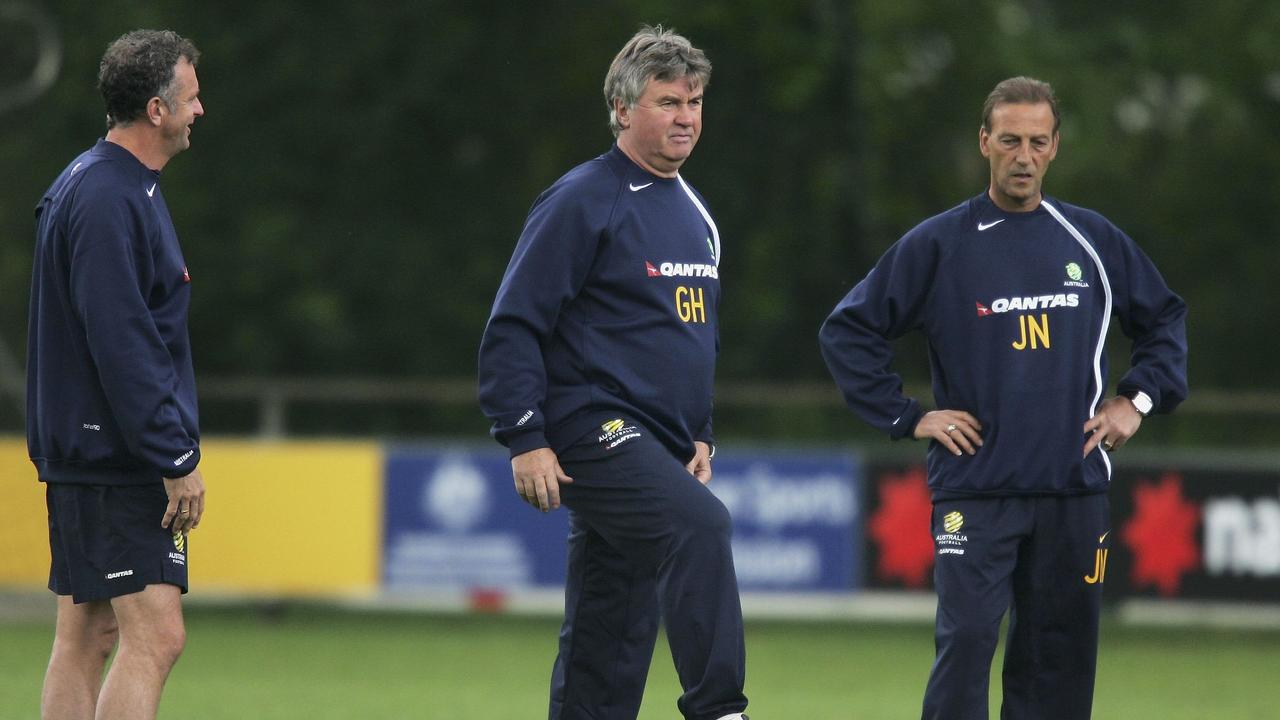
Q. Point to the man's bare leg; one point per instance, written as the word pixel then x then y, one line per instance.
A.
pixel 85 636
pixel 152 636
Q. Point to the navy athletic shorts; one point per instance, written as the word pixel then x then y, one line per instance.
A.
pixel 106 541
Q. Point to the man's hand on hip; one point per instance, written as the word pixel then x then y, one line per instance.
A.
pixel 700 465
pixel 538 475
pixel 956 430
pixel 1117 421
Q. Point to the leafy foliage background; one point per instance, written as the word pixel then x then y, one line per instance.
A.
pixel 353 193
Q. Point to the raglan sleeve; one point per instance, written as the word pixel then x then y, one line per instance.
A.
pixel 110 274
pixel 548 268
pixel 855 338
pixel 1155 319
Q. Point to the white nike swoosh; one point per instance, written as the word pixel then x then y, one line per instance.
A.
pixel 152 191
pixel 640 187
pixel 985 226
pixel 1103 536
pixel 77 167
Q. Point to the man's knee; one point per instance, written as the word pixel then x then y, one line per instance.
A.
pixel 103 638
pixel 701 527
pixel 151 624
pixel 87 631
pixel 709 517
pixel 163 639
pixel 966 636
pixel 160 644
pixel 170 642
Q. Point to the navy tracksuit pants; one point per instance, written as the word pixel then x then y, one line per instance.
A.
pixel 646 540
pixel 1042 558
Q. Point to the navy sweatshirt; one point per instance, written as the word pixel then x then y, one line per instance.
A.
pixel 1015 308
pixel 608 310
pixel 111 395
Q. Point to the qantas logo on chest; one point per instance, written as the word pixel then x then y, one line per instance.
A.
pixel 1033 302
pixel 670 269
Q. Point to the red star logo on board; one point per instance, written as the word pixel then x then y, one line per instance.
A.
pixel 900 528
pixel 1162 535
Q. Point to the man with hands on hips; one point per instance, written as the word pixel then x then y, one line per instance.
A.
pixel 1015 292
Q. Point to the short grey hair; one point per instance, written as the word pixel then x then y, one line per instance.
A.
pixel 652 53
pixel 1020 90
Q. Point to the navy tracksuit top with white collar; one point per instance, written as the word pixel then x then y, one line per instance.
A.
pixel 1015 308
pixel 608 309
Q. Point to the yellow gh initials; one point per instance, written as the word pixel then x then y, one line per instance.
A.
pixel 689 304
pixel 1032 331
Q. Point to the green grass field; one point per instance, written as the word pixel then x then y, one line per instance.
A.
pixel 322 664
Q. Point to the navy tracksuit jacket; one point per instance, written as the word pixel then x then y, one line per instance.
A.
pixel 1016 308
pixel 608 307
pixel 111 394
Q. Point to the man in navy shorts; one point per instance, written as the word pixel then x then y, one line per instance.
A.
pixel 111 399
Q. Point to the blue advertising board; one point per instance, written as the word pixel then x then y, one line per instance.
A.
pixel 452 520
pixel 796 520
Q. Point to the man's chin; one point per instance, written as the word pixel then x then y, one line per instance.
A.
pixel 678 157
pixel 1022 194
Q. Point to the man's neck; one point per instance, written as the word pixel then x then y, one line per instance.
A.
pixel 135 138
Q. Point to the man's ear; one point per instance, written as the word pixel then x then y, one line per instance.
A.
pixel 623 113
pixel 155 111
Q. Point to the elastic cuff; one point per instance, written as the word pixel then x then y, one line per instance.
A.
pixel 522 444
pixel 905 425
pixel 183 465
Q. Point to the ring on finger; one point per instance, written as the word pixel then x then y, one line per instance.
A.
pixel 1108 444
pixel 951 428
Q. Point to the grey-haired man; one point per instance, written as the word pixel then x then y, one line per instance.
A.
pixel 597 365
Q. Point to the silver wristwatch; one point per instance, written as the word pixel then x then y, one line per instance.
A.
pixel 1141 402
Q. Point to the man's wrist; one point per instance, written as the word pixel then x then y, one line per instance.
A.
pixel 1141 402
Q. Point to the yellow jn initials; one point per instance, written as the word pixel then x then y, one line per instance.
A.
pixel 1032 331
pixel 1099 567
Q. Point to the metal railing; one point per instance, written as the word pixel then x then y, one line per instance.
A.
pixel 272 396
